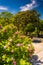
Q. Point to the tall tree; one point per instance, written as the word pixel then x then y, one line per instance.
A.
pixel 23 18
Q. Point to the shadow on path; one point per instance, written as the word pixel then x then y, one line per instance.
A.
pixel 36 40
pixel 35 60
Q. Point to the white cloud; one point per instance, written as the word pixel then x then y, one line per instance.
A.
pixel 30 6
pixel 3 8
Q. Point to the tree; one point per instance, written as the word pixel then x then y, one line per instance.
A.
pixel 41 26
pixel 6 14
pixel 29 28
pixel 23 18
pixel 6 18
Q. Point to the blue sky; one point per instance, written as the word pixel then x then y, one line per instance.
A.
pixel 14 6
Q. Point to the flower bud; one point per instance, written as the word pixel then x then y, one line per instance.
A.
pixel 14 62
pixel 5 47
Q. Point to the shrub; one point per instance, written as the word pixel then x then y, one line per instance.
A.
pixel 14 46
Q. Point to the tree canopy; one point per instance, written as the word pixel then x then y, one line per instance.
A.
pixel 22 19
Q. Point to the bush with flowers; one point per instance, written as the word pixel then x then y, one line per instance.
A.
pixel 15 48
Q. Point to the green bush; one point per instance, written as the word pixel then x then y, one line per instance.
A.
pixel 15 48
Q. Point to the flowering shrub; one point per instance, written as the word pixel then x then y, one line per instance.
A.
pixel 15 48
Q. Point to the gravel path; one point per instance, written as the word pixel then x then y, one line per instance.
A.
pixel 38 54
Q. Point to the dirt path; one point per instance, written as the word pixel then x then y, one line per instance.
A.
pixel 38 54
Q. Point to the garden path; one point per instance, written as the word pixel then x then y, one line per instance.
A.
pixel 38 54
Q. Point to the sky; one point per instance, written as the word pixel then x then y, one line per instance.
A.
pixel 15 6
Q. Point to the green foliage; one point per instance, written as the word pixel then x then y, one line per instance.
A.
pixel 7 31
pixel 6 14
pixel 14 46
pixel 23 62
pixel 30 27
pixel 21 19
pixel 41 25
